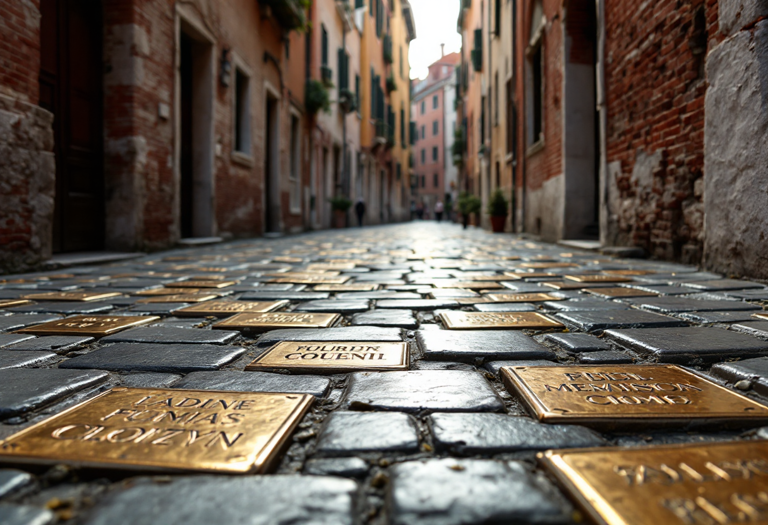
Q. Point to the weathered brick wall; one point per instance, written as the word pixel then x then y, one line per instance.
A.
pixel 655 86
pixel 27 168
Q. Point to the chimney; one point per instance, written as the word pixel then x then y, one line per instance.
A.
pixel 442 50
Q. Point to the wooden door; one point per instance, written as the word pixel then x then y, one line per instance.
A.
pixel 71 88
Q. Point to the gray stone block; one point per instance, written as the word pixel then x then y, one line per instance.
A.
pixel 386 318
pixel 577 343
pixel 606 357
pixel 416 304
pixel 753 370
pixel 25 389
pixel 605 320
pixel 454 492
pixel 346 333
pixel 504 307
pixel 682 345
pixel 344 467
pixel 12 480
pixel 169 335
pixel 334 306
pixel 7 340
pixel 25 358
pixel 60 344
pixel 170 358
pixel 495 366
pixel 273 500
pixel 684 304
pixel 754 327
pixel 65 308
pixel 350 433
pixel 493 433
pixel 717 317
pixel 14 322
pixel 256 382
pixel 421 391
pixel 25 515
pixel 148 380
pixel 468 345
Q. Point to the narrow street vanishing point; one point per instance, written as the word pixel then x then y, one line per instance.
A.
pixel 407 374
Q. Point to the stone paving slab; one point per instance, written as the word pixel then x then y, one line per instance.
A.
pixel 255 382
pixel 348 333
pixel 7 340
pixel 478 344
pixel 165 334
pixel 25 358
pixel 577 343
pixel 608 319
pixel 350 433
pixel 26 389
pixel 386 318
pixel 14 322
pixel 12 480
pixel 25 515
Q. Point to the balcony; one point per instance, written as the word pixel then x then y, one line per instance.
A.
pixel 326 76
pixel 383 133
pixel 290 14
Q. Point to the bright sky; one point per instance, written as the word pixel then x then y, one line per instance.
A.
pixel 435 25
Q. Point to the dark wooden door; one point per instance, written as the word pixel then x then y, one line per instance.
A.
pixel 71 88
pixel 187 177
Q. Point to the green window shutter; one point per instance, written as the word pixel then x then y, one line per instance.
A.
pixel 343 69
pixel 357 90
pixel 359 4
pixel 477 52
pixel 324 46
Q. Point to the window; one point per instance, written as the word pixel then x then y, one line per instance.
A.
pixel 343 68
pixel 423 132
pixel 403 139
pixel 498 175
pixel 434 102
pixel 423 181
pixel 497 18
pixel 359 4
pixel 434 153
pixel 324 45
pixel 496 99
pixel 399 171
pixel 535 81
pixel 293 176
pixel 422 108
pixel 511 124
pixel 423 156
pixel 435 127
pixel 357 92
pixel 434 180
pixel 242 142
pixel 401 62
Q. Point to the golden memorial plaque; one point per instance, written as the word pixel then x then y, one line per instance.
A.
pixel 522 297
pixel 164 430
pixel 547 265
pixel 467 285
pixel 333 357
pixel 599 278
pixel 177 291
pixel 284 259
pixel 693 484
pixel 532 275
pixel 354 287
pixel 10 303
pixel 91 325
pixel 262 322
pixel 629 272
pixel 322 267
pixel 621 292
pixel 71 296
pixel 496 320
pixel 317 279
pixel 181 298
pixel 225 308
pixel 570 285
pixel 205 283
pixel 617 396
pixel 303 275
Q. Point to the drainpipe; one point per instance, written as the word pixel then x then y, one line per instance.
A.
pixel 513 128
pixel 344 166
pixel 523 155
pixel 601 107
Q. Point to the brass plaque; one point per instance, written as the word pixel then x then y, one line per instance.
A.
pixel 322 267
pixel 570 285
pixel 303 275
pixel 71 296
pixel 284 259
pixel 628 272
pixel 10 303
pixel 168 430
pixel 207 283
pixel 181 298
pixel 598 278
pixel 522 297
pixel 760 315
pixel 532 275
pixel 616 396
pixel 225 308
pixel 496 320
pixel 620 292
pixel 333 357
pixel 92 325
pixel 310 280
pixel 467 285
pixel 695 484
pixel 547 265
pixel 353 287
pixel 174 291
pixel 262 322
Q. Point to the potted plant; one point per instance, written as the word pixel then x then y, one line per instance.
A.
pixel 340 205
pixel 498 207
pixel 468 204
pixel 316 97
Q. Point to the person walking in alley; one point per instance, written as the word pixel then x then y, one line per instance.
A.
pixel 360 211
pixel 439 211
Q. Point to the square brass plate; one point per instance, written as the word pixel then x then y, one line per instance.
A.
pixel 91 325
pixel 273 321
pixel 598 278
pixel 467 285
pixel 71 296
pixel 333 357
pixel 225 308
pixel 169 430
pixel 172 291
pixel 710 483
pixel 207 283
pixel 532 275
pixel 616 396
pixel 496 320
pixel 10 303
pixel 522 297
pixel 354 287
pixel 620 292
pixel 181 298
pixel 309 280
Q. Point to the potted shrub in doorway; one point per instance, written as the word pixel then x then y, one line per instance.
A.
pixel 468 204
pixel 340 205
pixel 498 207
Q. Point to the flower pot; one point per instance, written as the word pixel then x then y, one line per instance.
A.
pixel 497 223
pixel 339 219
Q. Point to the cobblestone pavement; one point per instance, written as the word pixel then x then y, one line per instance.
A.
pixel 444 442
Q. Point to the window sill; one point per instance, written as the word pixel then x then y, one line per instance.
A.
pixel 243 159
pixel 508 159
pixel 535 148
pixel 295 211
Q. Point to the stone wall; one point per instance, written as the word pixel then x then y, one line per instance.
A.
pixel 736 151
pixel 655 84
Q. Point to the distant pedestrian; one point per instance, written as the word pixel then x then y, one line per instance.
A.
pixel 360 211
pixel 420 210
pixel 439 211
